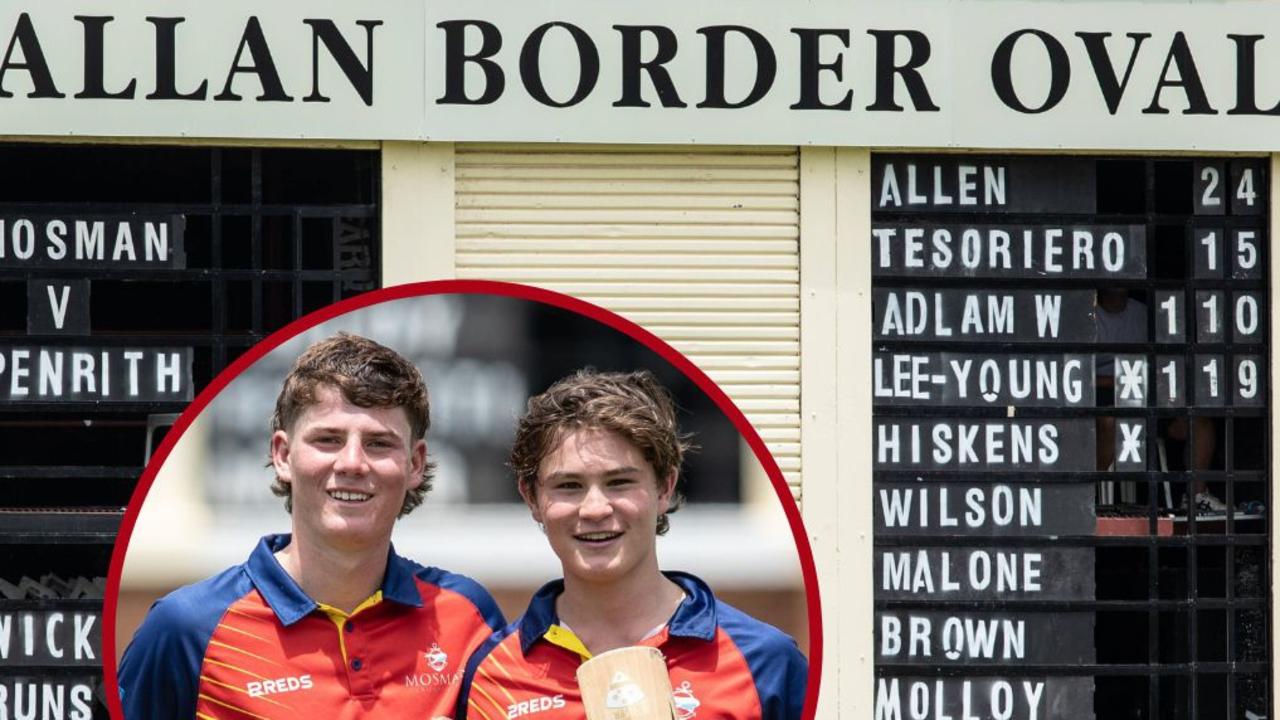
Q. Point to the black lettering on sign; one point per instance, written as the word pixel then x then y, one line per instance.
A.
pixel 1171 385
pixel 95 374
pixel 1246 254
pixel 92 242
pixel 984 315
pixel 1246 317
pixel 1209 187
pixel 1210 380
pixel 1250 381
pixel 58 307
pixel 353 241
pixel 1170 319
pixel 967 379
pixel 1210 327
pixel 1130 378
pixel 948 574
pixel 939 184
pixel 983 509
pixel 972 444
pixel 33 697
pixel 1131 444
pixel 1008 251
pixel 984 698
pixel 918 637
pixel 1208 244
pixel 50 636
pixel 1247 191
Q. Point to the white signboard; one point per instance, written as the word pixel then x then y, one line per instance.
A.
pixel 928 73
pixel 317 69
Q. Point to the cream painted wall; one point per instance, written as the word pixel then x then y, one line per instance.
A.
pixel 417 212
pixel 835 352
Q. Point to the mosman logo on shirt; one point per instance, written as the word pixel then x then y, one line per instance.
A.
pixel 438 661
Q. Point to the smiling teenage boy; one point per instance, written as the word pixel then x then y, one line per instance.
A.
pixel 327 621
pixel 597 457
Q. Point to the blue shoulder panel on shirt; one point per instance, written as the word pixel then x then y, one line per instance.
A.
pixel 779 668
pixel 469 589
pixel 160 671
pixel 477 657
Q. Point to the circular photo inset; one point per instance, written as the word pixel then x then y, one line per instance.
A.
pixel 457 499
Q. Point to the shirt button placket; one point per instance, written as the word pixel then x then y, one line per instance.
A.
pixel 358 673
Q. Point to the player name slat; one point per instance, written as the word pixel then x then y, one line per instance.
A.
pixel 973 184
pixel 983 380
pixel 931 637
pixel 984 698
pixel 945 574
pixel 971 444
pixel 983 509
pixel 983 315
pixel 924 249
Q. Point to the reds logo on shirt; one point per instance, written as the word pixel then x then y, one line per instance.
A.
pixel 538 704
pixel 283 685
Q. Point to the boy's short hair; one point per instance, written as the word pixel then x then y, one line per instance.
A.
pixel 634 405
pixel 368 375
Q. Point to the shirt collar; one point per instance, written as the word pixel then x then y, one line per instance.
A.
pixel 291 604
pixel 695 617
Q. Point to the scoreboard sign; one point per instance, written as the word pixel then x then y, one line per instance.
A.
pixel 50 637
pixel 983 509
pixel 62 697
pixel 966 573
pixel 59 306
pixel 983 380
pixel 1039 323
pixel 984 698
pixel 94 374
pixel 957 467
pixel 50 649
pixel 92 242
pixel 978 638
pixel 1008 251
pixel 988 445
pixel 983 315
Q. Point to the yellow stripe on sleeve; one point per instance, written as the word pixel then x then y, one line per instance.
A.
pixel 229 706
pixel 236 668
pixel 480 669
pixel 242 651
pixel 233 628
pixel 473 706
pixel 489 697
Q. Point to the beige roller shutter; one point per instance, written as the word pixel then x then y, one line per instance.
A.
pixel 699 245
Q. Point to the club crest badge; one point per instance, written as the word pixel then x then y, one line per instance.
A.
pixel 436 658
pixel 685 702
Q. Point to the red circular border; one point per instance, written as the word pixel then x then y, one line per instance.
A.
pixel 489 287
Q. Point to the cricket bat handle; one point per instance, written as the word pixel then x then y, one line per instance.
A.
pixel 629 683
